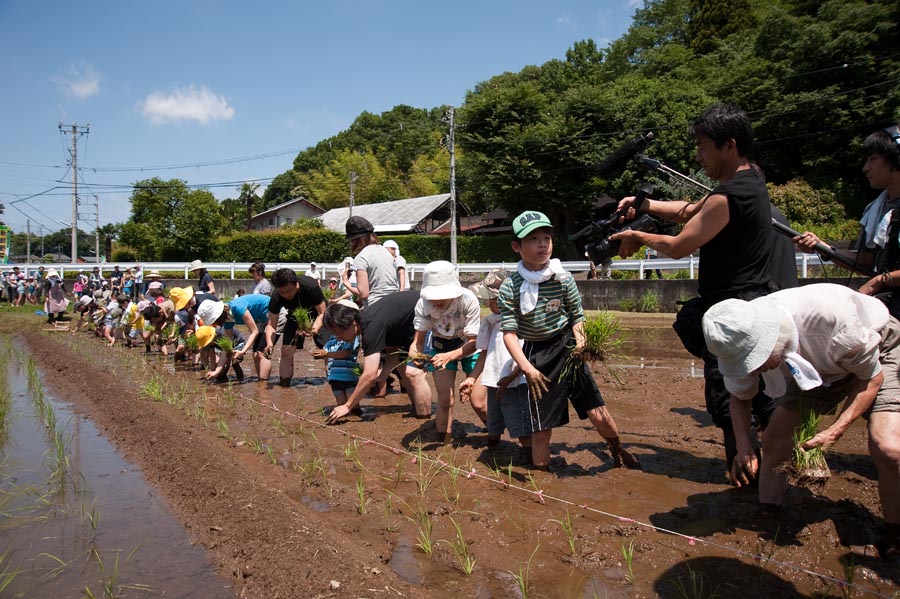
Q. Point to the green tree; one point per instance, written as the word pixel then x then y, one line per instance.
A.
pixel 714 20
pixel 278 191
pixel 196 225
pixel 248 196
pixel 108 233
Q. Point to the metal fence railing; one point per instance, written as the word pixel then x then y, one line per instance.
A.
pixel 691 264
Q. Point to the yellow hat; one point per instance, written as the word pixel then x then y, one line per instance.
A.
pixel 205 335
pixel 181 296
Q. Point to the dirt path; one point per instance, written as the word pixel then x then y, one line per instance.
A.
pixel 285 506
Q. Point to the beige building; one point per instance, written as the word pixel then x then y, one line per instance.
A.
pixel 285 214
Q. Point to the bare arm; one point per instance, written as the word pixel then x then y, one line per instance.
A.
pixel 366 379
pixel 401 278
pixel 863 394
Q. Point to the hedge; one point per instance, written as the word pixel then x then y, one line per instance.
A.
pixel 330 247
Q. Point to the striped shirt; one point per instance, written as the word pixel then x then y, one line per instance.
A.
pixel 558 308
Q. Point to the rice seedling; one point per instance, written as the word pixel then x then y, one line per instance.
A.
pixel 191 344
pixel 519 523
pixel 222 427
pixel 302 318
pixel 849 568
pixel 8 572
pixel 628 554
pixel 566 526
pixel 254 443
pixel 357 370
pixel 695 587
pixel 270 452
pixel 427 473
pixel 766 548
pixel 154 389
pixel 109 579
pixel 230 396
pixel 226 344
pixel 424 525
pixel 328 293
pixel 809 465
pixel 465 560
pixel 601 337
pixel 278 424
pixel 523 577
pixel 361 495
pixel 252 411
pixel 170 333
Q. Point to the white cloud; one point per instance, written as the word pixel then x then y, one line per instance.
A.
pixel 191 103
pixel 635 4
pixel 80 80
pixel 565 20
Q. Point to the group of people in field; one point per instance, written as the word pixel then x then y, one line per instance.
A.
pixel 771 349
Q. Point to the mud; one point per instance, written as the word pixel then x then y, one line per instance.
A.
pixel 284 505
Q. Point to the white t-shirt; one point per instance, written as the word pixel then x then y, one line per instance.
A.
pixel 460 319
pixel 378 264
pixel 314 274
pixel 498 362
pixel 838 329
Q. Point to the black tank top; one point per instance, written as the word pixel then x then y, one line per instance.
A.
pixel 737 259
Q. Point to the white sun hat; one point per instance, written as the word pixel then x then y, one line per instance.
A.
pixel 196 265
pixel 440 281
pixel 741 334
pixel 209 312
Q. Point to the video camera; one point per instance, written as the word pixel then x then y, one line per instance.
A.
pixel 602 250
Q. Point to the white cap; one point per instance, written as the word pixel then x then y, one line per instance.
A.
pixel 390 243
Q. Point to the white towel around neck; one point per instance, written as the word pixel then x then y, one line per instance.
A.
pixel 528 293
pixel 804 374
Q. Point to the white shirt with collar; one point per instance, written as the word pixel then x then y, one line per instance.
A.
pixel 839 333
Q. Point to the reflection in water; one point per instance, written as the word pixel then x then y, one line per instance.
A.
pixel 106 506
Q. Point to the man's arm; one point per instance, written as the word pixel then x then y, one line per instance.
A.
pixel 366 380
pixel 705 224
pixel 863 394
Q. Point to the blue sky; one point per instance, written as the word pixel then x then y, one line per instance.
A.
pixel 189 82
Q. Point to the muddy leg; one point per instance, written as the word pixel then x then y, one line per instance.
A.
pixel 606 426
pixel 540 449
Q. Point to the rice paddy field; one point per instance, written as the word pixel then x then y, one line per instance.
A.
pixel 127 475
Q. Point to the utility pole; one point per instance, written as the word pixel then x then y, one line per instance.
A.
pixel 42 241
pixel 353 178
pixel 84 130
pixel 28 242
pixel 450 144
pixel 97 236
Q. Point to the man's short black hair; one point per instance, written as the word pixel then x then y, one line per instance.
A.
pixel 883 144
pixel 284 276
pixel 721 122
pixel 340 317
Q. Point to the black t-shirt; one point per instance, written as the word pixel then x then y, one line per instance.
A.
pixel 309 295
pixel 206 282
pixel 737 259
pixel 389 322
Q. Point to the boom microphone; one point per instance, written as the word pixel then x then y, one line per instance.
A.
pixel 620 157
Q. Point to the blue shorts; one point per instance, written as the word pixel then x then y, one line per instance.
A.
pixel 511 412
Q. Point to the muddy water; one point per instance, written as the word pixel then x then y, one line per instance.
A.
pixel 104 526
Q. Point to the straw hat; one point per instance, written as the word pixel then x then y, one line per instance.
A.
pixel 152 274
pixel 196 265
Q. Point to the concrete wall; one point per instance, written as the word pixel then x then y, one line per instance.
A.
pixel 595 295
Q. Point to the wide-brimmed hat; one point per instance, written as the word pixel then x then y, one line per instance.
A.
pixel 348 303
pixel 528 221
pixel 83 301
pixel 196 265
pixel 440 281
pixel 153 273
pixel 180 296
pixel 490 288
pixel 357 227
pixel 142 305
pixel 209 311
pixel 205 335
pixel 51 272
pixel 741 334
pixel 154 285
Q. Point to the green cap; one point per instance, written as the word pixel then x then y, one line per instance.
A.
pixel 528 221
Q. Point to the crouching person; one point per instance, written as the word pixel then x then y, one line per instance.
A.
pixel 817 346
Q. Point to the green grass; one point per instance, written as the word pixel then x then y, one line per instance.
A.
pixel 647 303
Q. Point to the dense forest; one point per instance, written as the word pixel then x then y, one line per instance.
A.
pixel 815 77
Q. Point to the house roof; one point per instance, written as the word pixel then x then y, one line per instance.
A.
pixel 387 217
pixel 289 203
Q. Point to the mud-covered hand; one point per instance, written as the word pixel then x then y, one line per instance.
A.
pixel 337 413
pixel 537 382
pixel 267 353
pixel 465 389
pixel 744 469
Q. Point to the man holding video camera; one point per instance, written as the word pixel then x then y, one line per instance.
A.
pixel 732 229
